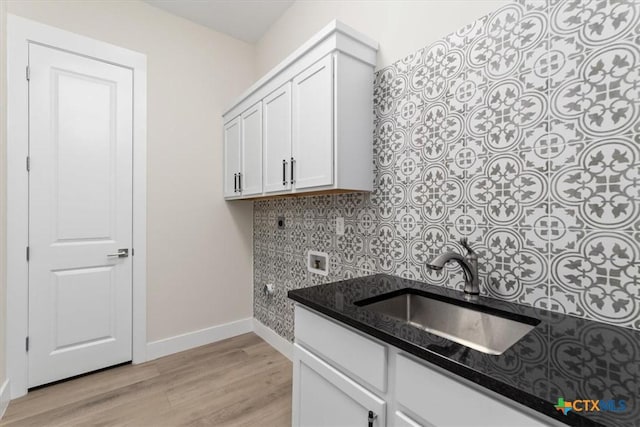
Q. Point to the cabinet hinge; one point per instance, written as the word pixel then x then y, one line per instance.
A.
pixel 28 164
pixel 26 344
pixel 28 73
pixel 27 253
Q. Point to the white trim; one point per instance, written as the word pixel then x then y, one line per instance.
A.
pixel 171 345
pixel 139 237
pixel 21 32
pixel 5 397
pixel 273 339
pixel 331 28
pixel 335 37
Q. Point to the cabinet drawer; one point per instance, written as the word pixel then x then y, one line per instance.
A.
pixel 348 350
pixel 438 399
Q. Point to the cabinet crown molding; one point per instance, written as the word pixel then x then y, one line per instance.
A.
pixel 335 36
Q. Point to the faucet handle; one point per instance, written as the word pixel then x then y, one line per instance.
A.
pixel 465 243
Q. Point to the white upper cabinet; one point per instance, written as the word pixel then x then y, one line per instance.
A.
pixel 250 182
pixel 243 154
pixel 312 148
pixel 315 121
pixel 231 157
pixel 277 139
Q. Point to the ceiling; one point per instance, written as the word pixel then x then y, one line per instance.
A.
pixel 246 20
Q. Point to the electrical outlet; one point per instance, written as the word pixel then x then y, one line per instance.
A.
pixel 340 226
pixel 280 223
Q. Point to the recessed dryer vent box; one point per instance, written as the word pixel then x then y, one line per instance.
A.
pixel 318 262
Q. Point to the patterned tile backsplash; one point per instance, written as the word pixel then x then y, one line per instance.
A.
pixel 520 131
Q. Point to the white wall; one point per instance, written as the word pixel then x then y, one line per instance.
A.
pixel 400 26
pixel 199 247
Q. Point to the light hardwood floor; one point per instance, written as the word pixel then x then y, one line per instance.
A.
pixel 241 381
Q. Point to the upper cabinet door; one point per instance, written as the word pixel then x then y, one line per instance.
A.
pixel 232 142
pixel 250 179
pixel 312 144
pixel 277 140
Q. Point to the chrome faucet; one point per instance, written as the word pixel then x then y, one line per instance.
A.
pixel 468 263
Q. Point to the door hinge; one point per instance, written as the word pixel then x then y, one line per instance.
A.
pixel 27 253
pixel 28 164
pixel 26 344
pixel 28 73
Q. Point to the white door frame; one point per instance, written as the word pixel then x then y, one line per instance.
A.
pixel 20 33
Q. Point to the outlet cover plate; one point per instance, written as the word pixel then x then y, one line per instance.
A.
pixel 340 226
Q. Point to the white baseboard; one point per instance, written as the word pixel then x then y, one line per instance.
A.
pixel 273 339
pixel 5 397
pixel 171 345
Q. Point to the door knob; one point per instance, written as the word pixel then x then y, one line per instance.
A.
pixel 122 253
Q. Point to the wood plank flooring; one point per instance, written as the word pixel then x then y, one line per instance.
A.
pixel 241 381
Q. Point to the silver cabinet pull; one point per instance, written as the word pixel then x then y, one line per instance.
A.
pixel 122 253
pixel 293 161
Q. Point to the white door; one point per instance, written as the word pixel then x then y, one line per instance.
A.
pixel 250 180
pixel 313 125
pixel 232 158
pixel 324 397
pixel 277 140
pixel 80 214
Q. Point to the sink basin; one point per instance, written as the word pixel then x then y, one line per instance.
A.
pixel 482 328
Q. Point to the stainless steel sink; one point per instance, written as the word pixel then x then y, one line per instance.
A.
pixel 482 331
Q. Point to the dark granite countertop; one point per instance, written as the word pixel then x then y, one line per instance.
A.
pixel 564 356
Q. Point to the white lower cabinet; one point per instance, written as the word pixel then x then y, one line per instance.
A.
pixel 323 396
pixel 327 393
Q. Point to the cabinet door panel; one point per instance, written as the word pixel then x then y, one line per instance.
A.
pixel 437 399
pixel 251 179
pixel 402 420
pixel 312 144
pixel 277 140
pixel 232 147
pixel 325 397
